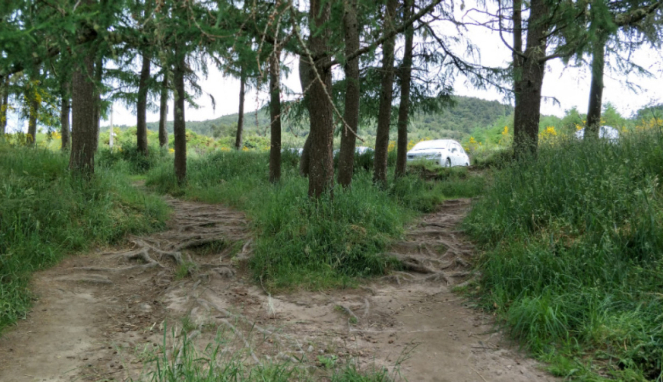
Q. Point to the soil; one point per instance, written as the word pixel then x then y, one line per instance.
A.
pixel 102 315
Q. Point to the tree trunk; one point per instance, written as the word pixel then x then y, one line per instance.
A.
pixel 4 104
pixel 305 82
pixel 98 73
pixel 240 117
pixel 386 97
pixel 528 108
pixel 34 111
pixel 179 128
pixel 83 132
pixel 163 112
pixel 321 165
pixel 596 91
pixel 275 117
pixel 65 109
pixel 517 49
pixel 346 158
pixel 141 106
pixel 404 107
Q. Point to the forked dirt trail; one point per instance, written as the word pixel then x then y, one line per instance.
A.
pixel 99 316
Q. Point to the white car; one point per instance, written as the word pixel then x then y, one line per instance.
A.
pixel 446 152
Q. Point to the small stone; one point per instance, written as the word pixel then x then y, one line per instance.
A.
pixel 391 341
pixel 310 348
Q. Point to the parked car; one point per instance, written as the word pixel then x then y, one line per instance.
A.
pixel 605 132
pixel 446 152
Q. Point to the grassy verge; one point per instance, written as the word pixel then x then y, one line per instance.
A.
pixel 302 242
pixel 178 359
pixel 574 256
pixel 45 213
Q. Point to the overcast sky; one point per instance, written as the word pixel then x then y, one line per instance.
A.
pixel 570 86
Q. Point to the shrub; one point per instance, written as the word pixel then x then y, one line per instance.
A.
pixel 574 245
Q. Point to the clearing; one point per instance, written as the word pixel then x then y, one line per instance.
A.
pixel 100 316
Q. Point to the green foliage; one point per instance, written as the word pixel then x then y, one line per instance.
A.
pixel 45 214
pixel 573 252
pixel 300 241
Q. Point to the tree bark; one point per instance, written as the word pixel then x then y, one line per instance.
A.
pixel 517 49
pixel 34 112
pixel 240 116
pixel 404 107
pixel 305 82
pixel 179 128
pixel 321 165
pixel 163 112
pixel 65 109
pixel 98 73
pixel 141 106
pixel 346 157
pixel 386 97
pixel 275 117
pixel 528 108
pixel 596 91
pixel 4 104
pixel 83 132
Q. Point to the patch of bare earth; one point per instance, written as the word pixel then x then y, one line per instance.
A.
pixel 99 316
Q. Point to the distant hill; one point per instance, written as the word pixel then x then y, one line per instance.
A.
pixel 456 122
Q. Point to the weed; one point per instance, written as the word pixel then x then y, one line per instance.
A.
pixel 573 258
pixel 46 213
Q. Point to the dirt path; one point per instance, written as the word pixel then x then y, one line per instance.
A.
pixel 100 316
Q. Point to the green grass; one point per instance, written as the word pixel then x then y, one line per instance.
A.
pixel 45 214
pixel 300 242
pixel 182 361
pixel 574 256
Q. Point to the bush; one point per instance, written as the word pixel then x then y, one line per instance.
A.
pixel 46 213
pixel 574 255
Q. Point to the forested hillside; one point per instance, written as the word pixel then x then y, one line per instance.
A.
pixel 457 122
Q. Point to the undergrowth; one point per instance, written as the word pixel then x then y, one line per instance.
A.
pixel 300 242
pixel 574 256
pixel 46 213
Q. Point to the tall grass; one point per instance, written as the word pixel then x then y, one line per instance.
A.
pixel 300 241
pixel 574 260
pixel 46 213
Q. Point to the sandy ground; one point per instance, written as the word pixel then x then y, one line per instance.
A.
pixel 100 316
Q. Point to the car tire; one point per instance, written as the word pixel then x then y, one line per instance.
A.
pixel 447 163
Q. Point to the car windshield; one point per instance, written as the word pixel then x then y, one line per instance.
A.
pixel 430 145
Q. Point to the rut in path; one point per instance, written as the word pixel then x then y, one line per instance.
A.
pixel 99 316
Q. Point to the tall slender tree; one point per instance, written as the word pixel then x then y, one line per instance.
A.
pixel 98 76
pixel 530 81
pixel 65 109
pixel 386 95
pixel 240 113
pixel 404 107
pixel 305 82
pixel 83 107
pixel 606 21
pixel 179 126
pixel 4 103
pixel 163 110
pixel 275 115
pixel 351 112
pixel 34 103
pixel 141 105
pixel 321 165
